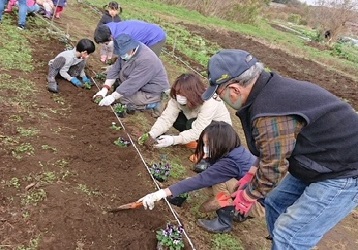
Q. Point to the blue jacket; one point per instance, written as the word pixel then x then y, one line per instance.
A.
pixel 235 165
pixel 147 33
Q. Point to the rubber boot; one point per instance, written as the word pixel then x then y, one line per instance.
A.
pixel 52 87
pixel 221 224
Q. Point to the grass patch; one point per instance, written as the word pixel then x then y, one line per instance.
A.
pixel 33 245
pixel 14 55
pixel 225 242
pixel 33 197
pixel 24 148
pixel 27 132
pixel 14 182
pixel 178 171
pixel 83 188
pixel 18 88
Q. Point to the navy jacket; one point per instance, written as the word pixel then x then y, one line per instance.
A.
pixel 235 165
pixel 107 18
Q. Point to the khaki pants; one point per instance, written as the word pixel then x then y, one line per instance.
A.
pixel 230 187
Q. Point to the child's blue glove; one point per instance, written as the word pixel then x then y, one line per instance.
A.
pixel 85 79
pixel 76 82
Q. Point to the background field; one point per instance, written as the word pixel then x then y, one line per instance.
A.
pixel 60 169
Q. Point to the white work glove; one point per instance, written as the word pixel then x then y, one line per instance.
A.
pixel 103 92
pixel 109 99
pixel 164 141
pixel 149 199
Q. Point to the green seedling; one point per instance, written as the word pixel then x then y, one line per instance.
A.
pixel 120 109
pixel 115 127
pixel 97 99
pixel 101 76
pixel 87 85
pixel 120 142
pixel 143 139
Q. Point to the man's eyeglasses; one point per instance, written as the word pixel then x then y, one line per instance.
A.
pixel 219 93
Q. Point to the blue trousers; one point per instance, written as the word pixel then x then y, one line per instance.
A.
pixel 299 214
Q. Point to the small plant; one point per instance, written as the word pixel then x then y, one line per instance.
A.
pixel 120 142
pixel 143 139
pixel 120 109
pixel 87 85
pixel 101 76
pixel 14 182
pixel 115 127
pixel 160 171
pixel 97 99
pixel 170 238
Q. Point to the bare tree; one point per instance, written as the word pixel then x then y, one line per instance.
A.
pixel 331 16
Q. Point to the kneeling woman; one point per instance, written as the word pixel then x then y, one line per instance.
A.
pixel 230 167
pixel 187 113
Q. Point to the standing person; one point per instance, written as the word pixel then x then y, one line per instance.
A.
pixel 150 34
pixel 231 166
pixel 70 64
pixel 47 6
pixel 140 75
pixel 59 7
pixel 22 12
pixel 31 7
pixel 110 15
pixel 187 113
pixel 306 140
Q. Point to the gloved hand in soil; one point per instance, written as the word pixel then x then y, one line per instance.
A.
pixel 76 82
pixel 149 199
pixel 85 79
pixel 243 203
pixel 109 99
pixel 164 141
pixel 103 92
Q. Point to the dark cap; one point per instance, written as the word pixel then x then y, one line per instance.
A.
pixel 124 43
pixel 226 65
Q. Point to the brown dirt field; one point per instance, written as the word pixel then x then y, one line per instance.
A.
pixel 93 174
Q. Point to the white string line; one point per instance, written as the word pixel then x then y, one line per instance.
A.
pixel 175 214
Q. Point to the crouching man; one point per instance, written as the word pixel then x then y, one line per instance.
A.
pixel 139 77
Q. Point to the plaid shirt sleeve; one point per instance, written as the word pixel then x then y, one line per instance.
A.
pixel 275 139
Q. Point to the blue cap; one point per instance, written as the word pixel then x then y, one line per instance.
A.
pixel 124 43
pixel 226 65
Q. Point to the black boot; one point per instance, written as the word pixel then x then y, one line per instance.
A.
pixel 221 224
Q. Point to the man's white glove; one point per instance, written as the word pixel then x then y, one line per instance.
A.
pixel 109 99
pixel 164 141
pixel 149 199
pixel 103 92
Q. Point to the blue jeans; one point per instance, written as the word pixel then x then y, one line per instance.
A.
pixel 2 7
pixel 24 10
pixel 299 214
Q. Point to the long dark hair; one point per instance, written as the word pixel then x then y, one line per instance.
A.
pixel 221 138
pixel 190 86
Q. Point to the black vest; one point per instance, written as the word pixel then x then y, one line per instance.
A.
pixel 327 147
